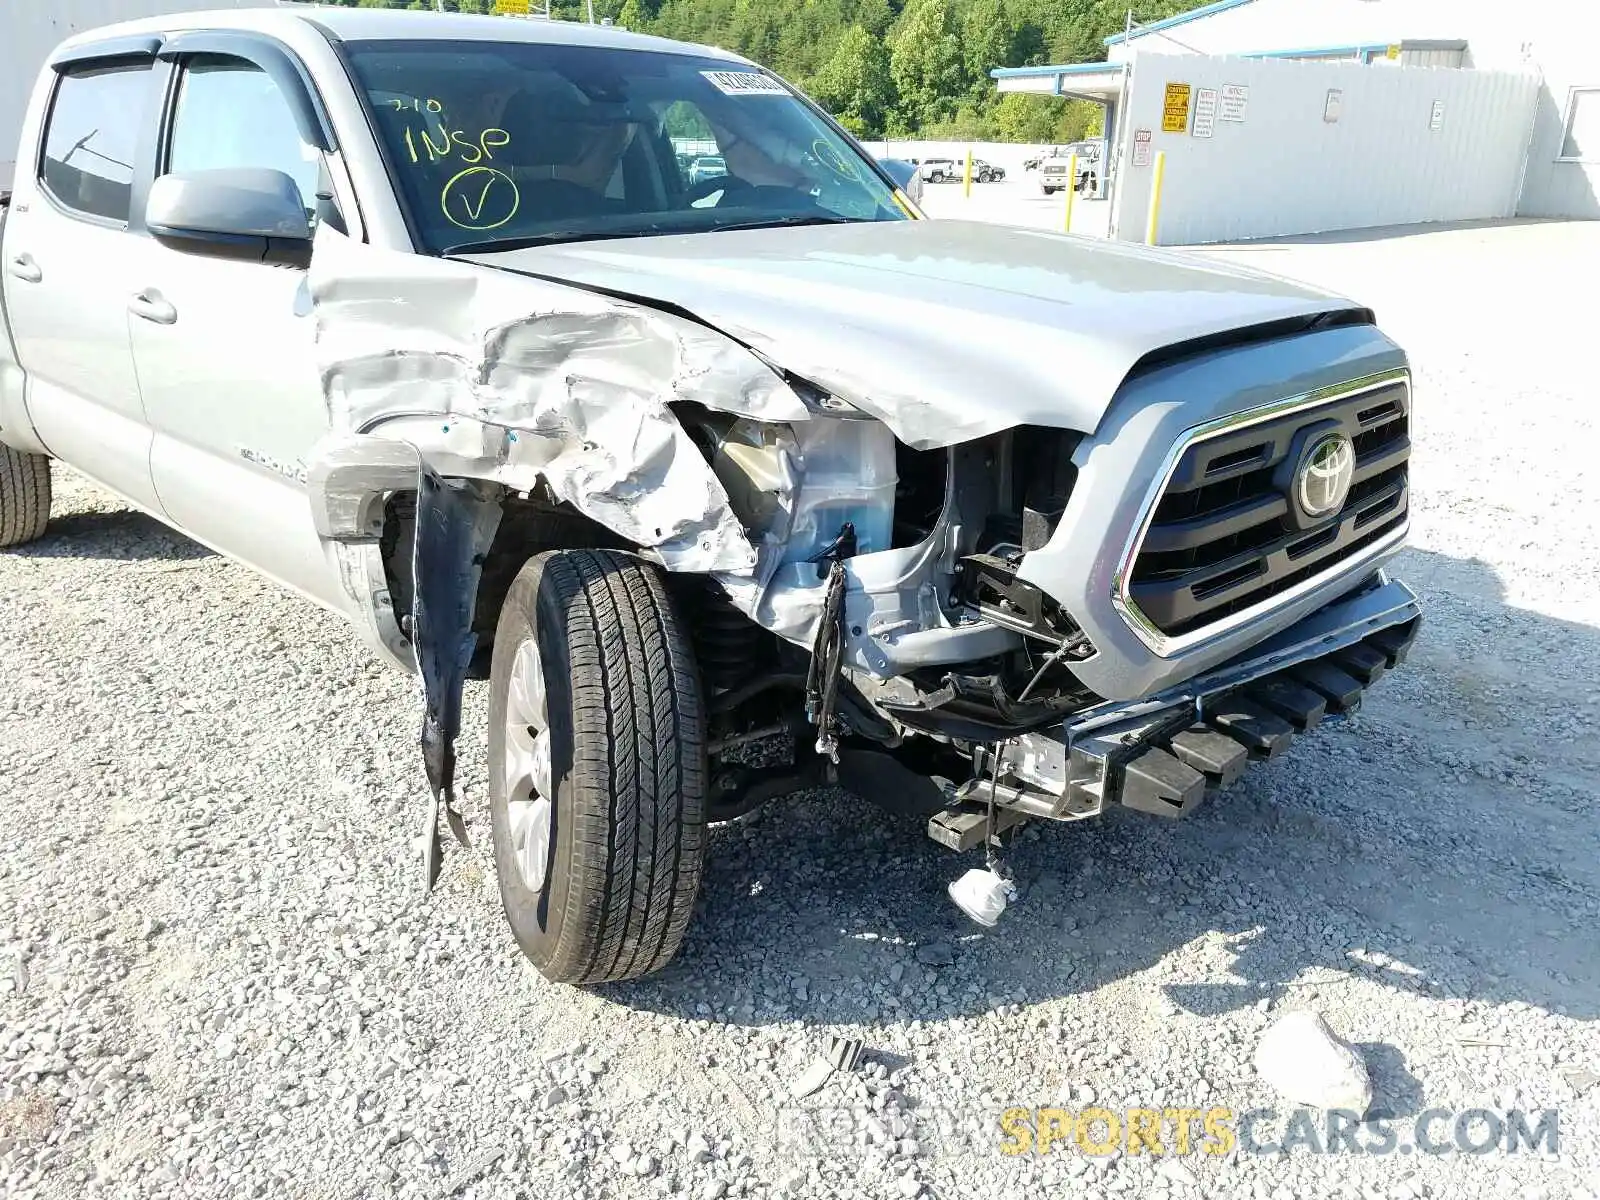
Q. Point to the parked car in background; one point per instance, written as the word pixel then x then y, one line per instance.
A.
pixel 947 170
pixel 1053 170
pixel 707 166
pixel 906 176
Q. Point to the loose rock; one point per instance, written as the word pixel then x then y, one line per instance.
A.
pixel 1309 1064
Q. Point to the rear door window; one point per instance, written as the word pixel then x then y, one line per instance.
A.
pixel 93 135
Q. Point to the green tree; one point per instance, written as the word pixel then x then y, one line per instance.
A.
pixel 855 84
pixel 1022 117
pixel 926 63
pixel 988 37
pixel 969 123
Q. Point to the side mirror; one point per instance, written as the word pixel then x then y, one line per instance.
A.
pixel 238 210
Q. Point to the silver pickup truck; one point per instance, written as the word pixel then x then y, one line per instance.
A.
pixel 731 484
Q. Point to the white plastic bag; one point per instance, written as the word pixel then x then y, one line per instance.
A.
pixel 983 895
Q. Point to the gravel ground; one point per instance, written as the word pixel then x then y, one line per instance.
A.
pixel 217 978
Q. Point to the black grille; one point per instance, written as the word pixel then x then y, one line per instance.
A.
pixel 1226 534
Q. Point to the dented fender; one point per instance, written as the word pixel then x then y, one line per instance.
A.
pixel 521 381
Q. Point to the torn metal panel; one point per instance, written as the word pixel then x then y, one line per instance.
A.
pixel 522 380
pixel 349 478
pixel 349 482
pixel 456 522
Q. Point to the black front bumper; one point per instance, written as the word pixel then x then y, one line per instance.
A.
pixel 1164 754
pixel 1171 772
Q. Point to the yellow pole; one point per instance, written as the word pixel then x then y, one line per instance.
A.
pixel 966 183
pixel 1154 222
pixel 1072 190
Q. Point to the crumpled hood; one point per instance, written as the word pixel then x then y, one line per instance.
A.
pixel 944 330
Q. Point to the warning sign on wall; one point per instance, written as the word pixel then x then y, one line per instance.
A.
pixel 1175 112
pixel 1235 99
pixel 1205 112
pixel 1141 147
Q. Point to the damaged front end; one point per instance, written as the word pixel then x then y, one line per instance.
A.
pixel 912 604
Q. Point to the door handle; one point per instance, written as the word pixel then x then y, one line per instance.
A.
pixel 25 269
pixel 149 305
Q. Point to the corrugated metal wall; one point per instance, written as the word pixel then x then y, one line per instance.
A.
pixel 30 29
pixel 1560 39
pixel 1285 169
pixel 1433 58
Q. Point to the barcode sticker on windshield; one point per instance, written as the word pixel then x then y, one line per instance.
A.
pixel 745 83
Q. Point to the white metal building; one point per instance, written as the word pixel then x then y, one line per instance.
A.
pixel 1296 116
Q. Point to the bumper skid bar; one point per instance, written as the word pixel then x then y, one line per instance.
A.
pixel 1163 754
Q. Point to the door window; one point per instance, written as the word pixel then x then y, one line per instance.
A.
pixel 92 137
pixel 231 114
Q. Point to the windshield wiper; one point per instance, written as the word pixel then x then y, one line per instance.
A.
pixel 555 237
pixel 559 237
pixel 776 222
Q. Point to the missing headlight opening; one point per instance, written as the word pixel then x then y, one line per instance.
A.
pixel 893 595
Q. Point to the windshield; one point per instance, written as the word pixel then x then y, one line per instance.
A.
pixel 496 144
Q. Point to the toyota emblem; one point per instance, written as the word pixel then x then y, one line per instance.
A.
pixel 1323 478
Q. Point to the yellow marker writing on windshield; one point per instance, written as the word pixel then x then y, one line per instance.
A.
pixel 433 151
pixel 828 155
pixel 472 150
pixel 480 198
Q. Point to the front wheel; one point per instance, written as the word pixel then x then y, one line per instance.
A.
pixel 597 767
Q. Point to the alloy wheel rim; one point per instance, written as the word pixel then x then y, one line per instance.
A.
pixel 530 793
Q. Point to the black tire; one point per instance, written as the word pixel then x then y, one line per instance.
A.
pixel 627 757
pixel 24 496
